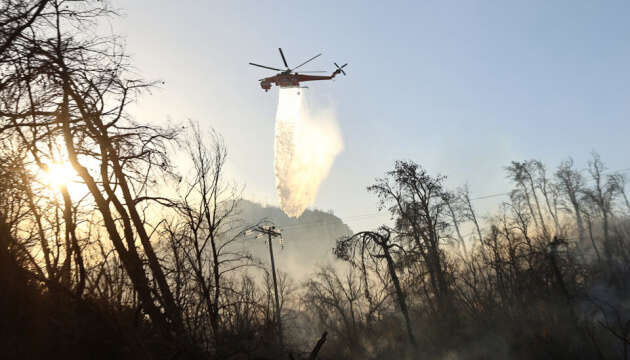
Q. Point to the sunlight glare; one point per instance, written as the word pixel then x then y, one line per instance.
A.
pixel 59 174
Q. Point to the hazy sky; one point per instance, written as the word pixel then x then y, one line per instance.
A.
pixel 461 87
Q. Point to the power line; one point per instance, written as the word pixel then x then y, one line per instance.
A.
pixel 489 196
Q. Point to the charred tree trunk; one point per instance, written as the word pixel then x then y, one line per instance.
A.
pixel 400 295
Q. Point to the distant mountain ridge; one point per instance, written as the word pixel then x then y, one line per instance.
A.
pixel 307 241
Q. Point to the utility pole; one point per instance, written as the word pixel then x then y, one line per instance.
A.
pixel 271 233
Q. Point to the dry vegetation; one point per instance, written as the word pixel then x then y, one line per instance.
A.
pixel 111 266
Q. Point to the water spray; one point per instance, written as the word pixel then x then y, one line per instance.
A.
pixel 305 148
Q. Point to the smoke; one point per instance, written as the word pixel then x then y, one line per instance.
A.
pixel 305 147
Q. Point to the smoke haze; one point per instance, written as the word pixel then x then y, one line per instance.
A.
pixel 305 148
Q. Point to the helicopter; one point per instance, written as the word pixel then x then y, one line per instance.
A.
pixel 288 78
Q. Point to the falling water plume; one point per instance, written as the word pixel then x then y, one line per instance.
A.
pixel 305 147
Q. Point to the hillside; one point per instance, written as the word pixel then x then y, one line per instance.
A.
pixel 307 240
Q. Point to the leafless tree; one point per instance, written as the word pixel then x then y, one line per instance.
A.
pixel 601 195
pixel 416 200
pixel 68 87
pixel 339 305
pixel 571 183
pixel 550 193
pixel 457 212
pixel 378 245
pixel 620 181
pixel 522 173
pixel 464 194
pixel 206 233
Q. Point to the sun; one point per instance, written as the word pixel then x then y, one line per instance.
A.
pixel 59 174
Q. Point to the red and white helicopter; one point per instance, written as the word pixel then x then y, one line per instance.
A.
pixel 288 78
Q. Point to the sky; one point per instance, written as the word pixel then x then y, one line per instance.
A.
pixel 460 87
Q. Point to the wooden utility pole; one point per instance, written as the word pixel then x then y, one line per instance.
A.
pixel 271 233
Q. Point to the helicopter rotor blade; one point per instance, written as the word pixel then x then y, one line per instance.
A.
pixel 283 59
pixel 312 72
pixel 266 67
pixel 307 61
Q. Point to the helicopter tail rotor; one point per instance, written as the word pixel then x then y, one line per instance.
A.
pixel 340 68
